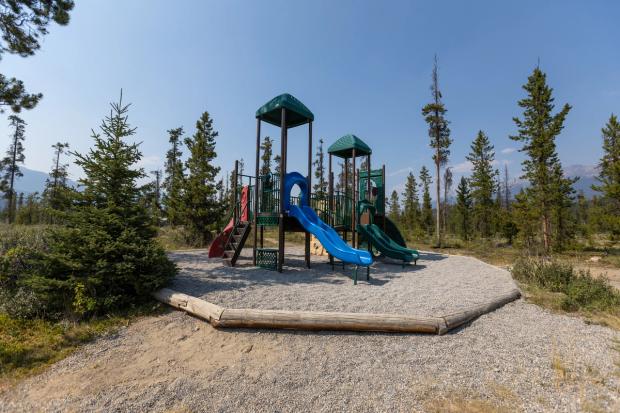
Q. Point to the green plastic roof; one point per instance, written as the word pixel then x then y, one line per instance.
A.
pixel 296 112
pixel 344 146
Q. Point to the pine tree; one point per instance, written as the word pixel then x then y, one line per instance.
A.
pixel 482 182
pixel 24 22
pixel 447 185
pixel 463 209
pixel 609 174
pixel 394 207
pixel 106 255
pixel 537 131
pixel 507 193
pixel 174 178
pixel 202 209
pixel 10 164
pixel 411 203
pixel 320 187
pixel 438 131
pixel 276 169
pixel 426 216
pixel 57 195
pixel 154 203
pixel 563 220
pixel 267 152
pixel 30 212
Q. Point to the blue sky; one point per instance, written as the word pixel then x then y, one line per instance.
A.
pixel 362 67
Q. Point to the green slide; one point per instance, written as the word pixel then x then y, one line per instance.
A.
pixel 383 242
pixel 386 245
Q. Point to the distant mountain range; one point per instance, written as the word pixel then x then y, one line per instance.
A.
pixel 32 181
pixel 587 178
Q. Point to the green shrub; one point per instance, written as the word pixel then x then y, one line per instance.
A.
pixel 581 291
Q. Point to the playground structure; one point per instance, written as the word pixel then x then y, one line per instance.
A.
pixel 357 207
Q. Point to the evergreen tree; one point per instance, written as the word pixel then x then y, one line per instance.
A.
pixel 201 204
pixel 537 131
pixel 24 22
pixel 320 187
pixel 267 152
pixel 426 216
pixel 276 169
pixel 155 197
pixel 609 173
pixel 411 203
pixel 10 164
pixel 394 207
pixel 340 182
pixel 438 131
pixel 463 209
pixel 563 220
pixel 447 185
pixel 56 195
pixel 175 178
pixel 30 212
pixel 482 183
pixel 507 194
pixel 106 255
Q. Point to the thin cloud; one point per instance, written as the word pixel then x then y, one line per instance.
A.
pixel 508 151
pixel 462 167
pixel 401 171
pixel 149 161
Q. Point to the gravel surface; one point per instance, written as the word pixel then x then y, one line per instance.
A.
pixel 436 286
pixel 517 358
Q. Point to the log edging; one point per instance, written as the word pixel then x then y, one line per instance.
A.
pixel 221 317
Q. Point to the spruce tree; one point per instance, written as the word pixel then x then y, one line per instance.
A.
pixel 57 195
pixel 609 173
pixel 463 209
pixel 155 197
pixel 30 212
pixel 174 178
pixel 411 203
pixel 447 185
pixel 10 164
pixel 507 193
pixel 106 256
pixel 483 183
pixel 202 209
pixel 394 207
pixel 266 153
pixel 320 187
pixel 426 215
pixel 439 133
pixel 563 219
pixel 537 131
pixel 276 169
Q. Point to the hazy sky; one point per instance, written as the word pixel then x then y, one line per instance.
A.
pixel 362 67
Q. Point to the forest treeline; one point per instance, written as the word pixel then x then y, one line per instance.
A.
pixel 547 215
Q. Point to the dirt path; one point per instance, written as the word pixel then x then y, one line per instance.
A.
pixel 518 358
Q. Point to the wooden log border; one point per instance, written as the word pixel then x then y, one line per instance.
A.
pixel 312 320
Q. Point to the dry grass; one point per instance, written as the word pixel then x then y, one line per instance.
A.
pixel 28 347
pixel 461 405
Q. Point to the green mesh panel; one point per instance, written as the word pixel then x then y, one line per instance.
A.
pixel 267 258
pixel 268 221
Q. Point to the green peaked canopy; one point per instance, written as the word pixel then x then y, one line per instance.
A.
pixel 343 147
pixel 296 112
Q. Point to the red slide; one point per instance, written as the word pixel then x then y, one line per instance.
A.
pixel 216 250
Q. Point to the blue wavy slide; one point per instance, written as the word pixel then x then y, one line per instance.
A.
pixel 326 235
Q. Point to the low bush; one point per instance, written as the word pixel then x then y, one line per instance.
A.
pixel 580 290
